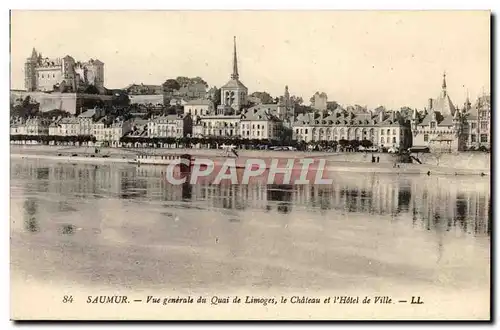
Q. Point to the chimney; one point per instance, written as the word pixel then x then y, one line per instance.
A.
pixel 381 115
pixel 430 104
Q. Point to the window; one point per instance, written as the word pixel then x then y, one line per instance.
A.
pixel 393 139
pixel 382 140
pixel 484 125
pixel 306 130
pixel 388 131
pixel 473 138
pixel 394 132
pixel 484 138
pixel 382 132
pixel 426 137
pixel 433 124
pixel 473 125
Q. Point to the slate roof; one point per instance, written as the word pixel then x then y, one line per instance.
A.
pixel 260 112
pixel 443 105
pixel 234 83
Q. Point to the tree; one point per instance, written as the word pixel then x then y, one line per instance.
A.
pixel 185 81
pixel 171 85
pixel 91 89
pixel 296 100
pixel 120 98
pixel 199 80
pixel 354 143
pixel 55 113
pixel 366 143
pixel 264 97
pixel 217 97
pixel 285 135
pixel 25 109
pixel 343 143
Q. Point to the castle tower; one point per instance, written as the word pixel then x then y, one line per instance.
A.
pixel 287 98
pixel 29 72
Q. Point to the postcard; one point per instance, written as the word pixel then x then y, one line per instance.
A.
pixel 250 165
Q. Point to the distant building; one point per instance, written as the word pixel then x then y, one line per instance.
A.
pixel 480 123
pixel 176 126
pixel 441 126
pixel 31 126
pixel 199 107
pixel 385 129
pixel 147 99
pixel 109 131
pixel 177 102
pixel 320 101
pixel 260 122
pixel 141 89
pixel 216 125
pixel 62 74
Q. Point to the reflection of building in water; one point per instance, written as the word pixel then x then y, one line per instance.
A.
pixel 433 202
pixel 353 194
pixel 448 203
pixel 282 194
pixel 88 179
pixel 232 196
pixel 429 200
pixel 30 212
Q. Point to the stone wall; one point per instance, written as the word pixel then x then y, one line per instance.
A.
pixel 70 102
pixel 153 99
pixel 463 160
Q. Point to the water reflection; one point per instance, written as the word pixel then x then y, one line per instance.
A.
pixel 30 210
pixel 430 202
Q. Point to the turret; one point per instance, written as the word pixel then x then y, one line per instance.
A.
pixel 381 116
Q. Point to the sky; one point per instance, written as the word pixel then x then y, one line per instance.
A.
pixel 368 58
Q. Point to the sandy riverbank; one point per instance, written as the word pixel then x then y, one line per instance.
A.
pixel 65 154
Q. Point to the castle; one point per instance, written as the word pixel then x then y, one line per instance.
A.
pixel 62 74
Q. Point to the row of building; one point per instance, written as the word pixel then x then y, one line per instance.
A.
pixel 441 125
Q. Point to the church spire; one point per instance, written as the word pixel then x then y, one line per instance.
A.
pixel 235 74
pixel 444 84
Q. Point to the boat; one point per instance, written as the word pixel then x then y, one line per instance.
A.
pixel 159 159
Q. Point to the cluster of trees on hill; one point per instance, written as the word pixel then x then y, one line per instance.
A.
pixel 25 108
pixel 171 85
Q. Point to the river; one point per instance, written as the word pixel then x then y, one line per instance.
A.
pixel 123 227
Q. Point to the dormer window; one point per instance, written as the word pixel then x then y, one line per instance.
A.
pixel 433 124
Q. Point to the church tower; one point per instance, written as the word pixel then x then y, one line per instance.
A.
pixel 234 94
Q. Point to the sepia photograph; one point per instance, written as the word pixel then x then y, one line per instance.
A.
pixel 250 165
